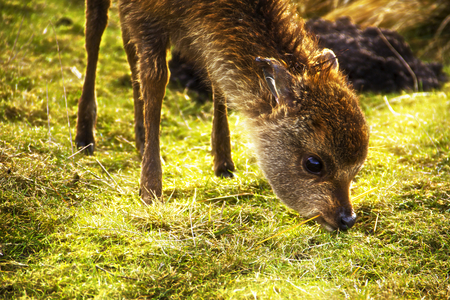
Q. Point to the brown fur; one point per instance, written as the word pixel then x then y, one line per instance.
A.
pixel 262 62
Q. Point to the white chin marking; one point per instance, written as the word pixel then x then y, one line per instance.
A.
pixel 327 227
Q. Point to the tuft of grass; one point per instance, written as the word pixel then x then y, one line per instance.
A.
pixel 74 227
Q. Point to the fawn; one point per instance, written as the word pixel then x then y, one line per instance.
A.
pixel 309 133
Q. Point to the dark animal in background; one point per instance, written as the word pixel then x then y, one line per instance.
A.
pixel 309 133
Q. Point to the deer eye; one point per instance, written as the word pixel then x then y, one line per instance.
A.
pixel 313 165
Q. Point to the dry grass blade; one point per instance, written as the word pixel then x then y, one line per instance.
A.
pixel 364 194
pixel 125 277
pixel 15 43
pixel 286 230
pixel 376 223
pixel 81 150
pixel 225 197
pixel 64 88
pixel 190 217
pixel 56 191
pixel 356 270
pixel 48 115
pixel 109 175
pixel 401 59
pixel 442 26
pixel 411 117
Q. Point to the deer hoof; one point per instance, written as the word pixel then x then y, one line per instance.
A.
pixel 88 147
pixel 224 170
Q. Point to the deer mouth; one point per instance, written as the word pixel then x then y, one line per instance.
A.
pixel 326 225
pixel 345 223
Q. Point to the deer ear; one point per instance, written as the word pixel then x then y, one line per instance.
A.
pixel 328 57
pixel 278 79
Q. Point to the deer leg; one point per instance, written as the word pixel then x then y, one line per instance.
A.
pixel 154 76
pixel 139 130
pixel 220 138
pixel 96 21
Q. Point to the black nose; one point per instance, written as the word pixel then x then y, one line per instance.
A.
pixel 347 221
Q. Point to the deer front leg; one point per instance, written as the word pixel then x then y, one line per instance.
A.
pixel 96 21
pixel 154 76
pixel 220 138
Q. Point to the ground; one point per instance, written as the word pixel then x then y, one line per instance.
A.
pixel 73 226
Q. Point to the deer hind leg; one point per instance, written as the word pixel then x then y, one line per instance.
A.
pixel 130 49
pixel 96 21
pixel 220 138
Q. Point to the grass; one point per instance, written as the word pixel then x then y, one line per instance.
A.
pixel 70 229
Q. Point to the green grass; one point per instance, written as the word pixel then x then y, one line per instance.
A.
pixel 68 229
